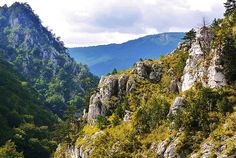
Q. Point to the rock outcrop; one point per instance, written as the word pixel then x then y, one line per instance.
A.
pixel 118 86
pixel 210 149
pixel 147 70
pixel 201 69
pixel 167 148
pixel 174 86
pixel 79 151
pixel 127 116
pixel 177 105
pixel 108 87
pixel 122 82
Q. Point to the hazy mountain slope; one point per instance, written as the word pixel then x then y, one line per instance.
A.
pixel 42 58
pixel 102 59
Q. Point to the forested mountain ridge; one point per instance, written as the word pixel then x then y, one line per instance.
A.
pixel 42 58
pixel 181 105
pixel 24 118
pixel 103 59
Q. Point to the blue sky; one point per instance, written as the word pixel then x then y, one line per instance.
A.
pixel 93 22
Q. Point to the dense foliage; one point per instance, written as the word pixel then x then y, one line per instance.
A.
pixel 23 116
pixel 9 151
pixel 225 38
pixel 203 109
pixel 37 77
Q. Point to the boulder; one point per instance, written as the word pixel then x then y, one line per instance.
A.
pixel 108 88
pixel 173 87
pixel 147 70
pixel 127 116
pixel 141 69
pixel 155 75
pixel 161 147
pixel 177 105
pixel 167 147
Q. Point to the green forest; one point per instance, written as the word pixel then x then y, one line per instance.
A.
pixel 52 106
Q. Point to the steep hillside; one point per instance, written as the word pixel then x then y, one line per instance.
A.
pixel 182 105
pixel 24 118
pixel 42 58
pixel 103 59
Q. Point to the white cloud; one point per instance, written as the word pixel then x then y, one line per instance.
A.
pixel 92 22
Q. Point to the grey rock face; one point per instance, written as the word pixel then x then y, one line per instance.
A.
pixel 83 153
pixel 111 86
pixel 215 76
pixel 127 116
pixel 122 84
pixel 197 68
pixel 177 105
pixel 108 87
pixel 130 85
pixel 208 148
pixel 174 86
pixel 160 148
pixel 167 147
pixel 95 108
pixel 141 69
pixel 147 70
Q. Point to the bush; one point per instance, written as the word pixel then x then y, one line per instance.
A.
pixel 101 121
pixel 9 151
pixel 151 115
pixel 198 107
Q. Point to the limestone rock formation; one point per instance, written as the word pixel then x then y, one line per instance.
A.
pixel 113 86
pixel 177 105
pixel 122 84
pixel 107 88
pixel 130 85
pixel 198 68
pixel 127 116
pixel 167 147
pixel 147 70
pixel 174 86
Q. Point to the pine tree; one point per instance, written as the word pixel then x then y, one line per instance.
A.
pixel 114 71
pixel 230 5
pixel 72 123
pixel 189 37
pixel 9 151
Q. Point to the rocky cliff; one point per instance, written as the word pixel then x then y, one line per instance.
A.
pixel 201 67
pixel 203 64
pixel 181 105
pixel 119 86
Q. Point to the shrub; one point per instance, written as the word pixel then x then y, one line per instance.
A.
pixel 101 121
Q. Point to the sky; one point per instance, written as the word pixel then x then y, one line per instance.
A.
pixel 95 22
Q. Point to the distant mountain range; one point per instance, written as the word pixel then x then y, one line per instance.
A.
pixel 104 58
